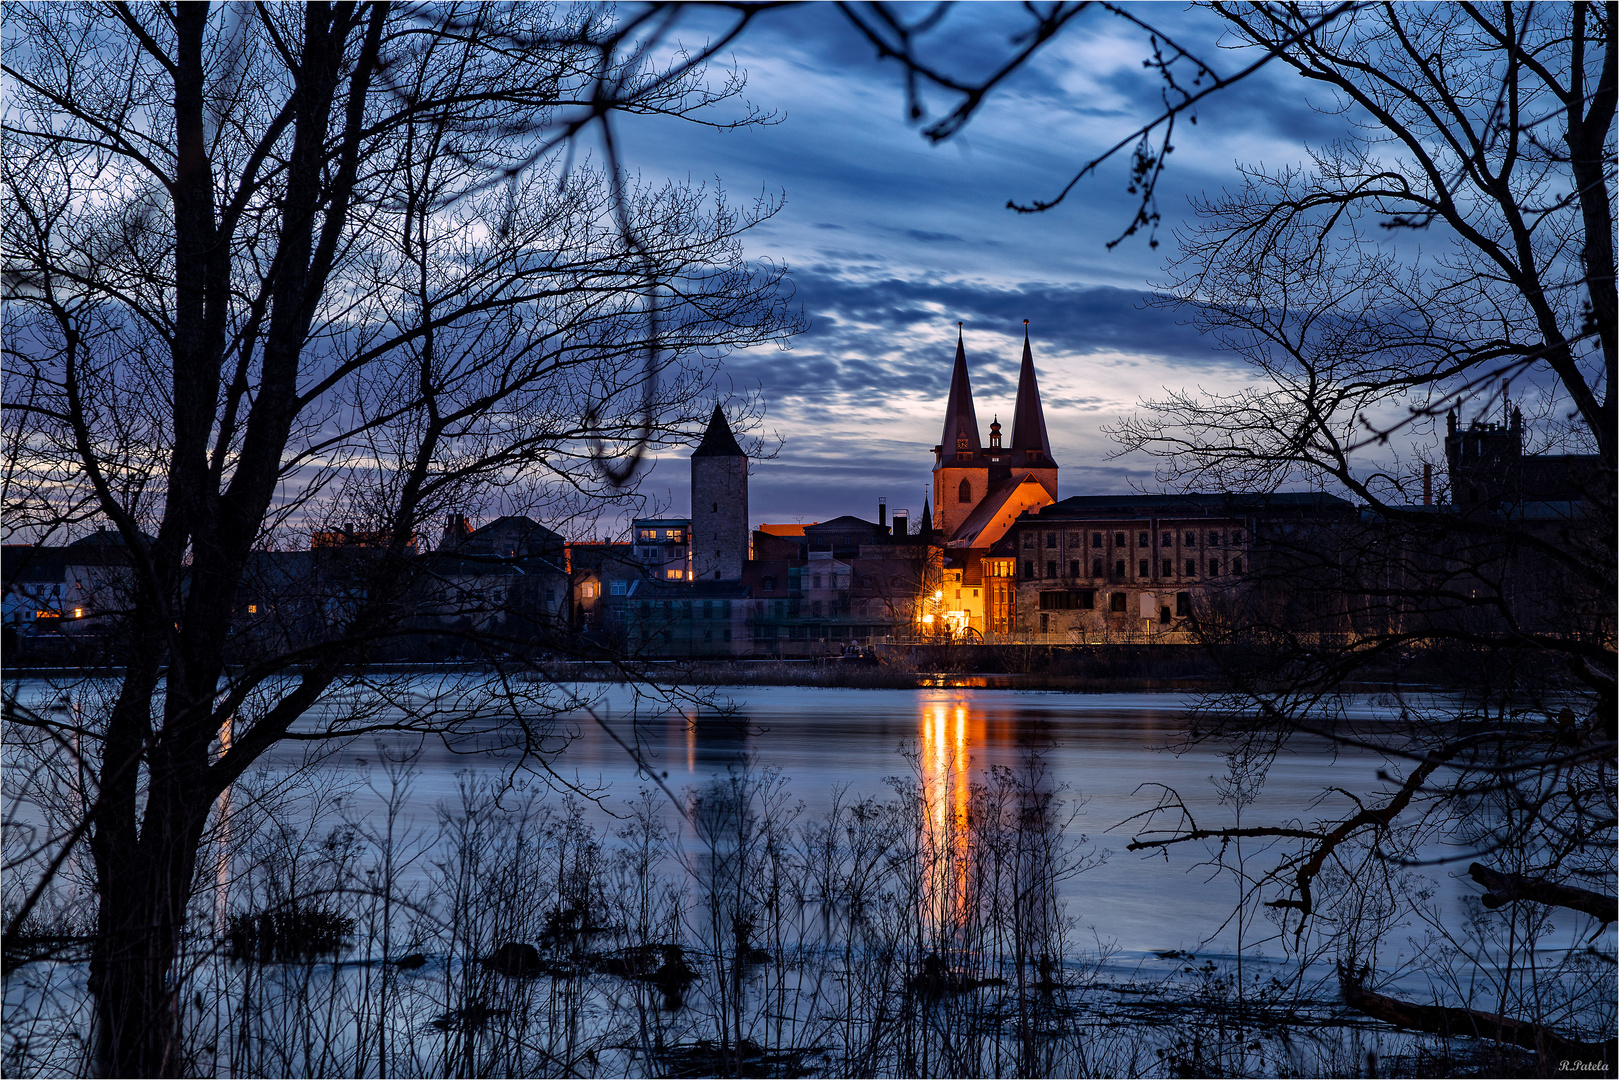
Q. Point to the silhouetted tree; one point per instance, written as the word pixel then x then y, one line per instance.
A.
pixel 1460 239
pixel 255 253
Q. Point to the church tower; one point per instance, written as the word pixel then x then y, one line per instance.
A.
pixel 719 504
pixel 1031 448
pixel 960 469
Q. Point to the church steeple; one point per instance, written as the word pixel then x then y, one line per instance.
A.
pixel 1030 445
pixel 960 422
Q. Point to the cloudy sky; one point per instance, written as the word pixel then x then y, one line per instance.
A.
pixel 891 240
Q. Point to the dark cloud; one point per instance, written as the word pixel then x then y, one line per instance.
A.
pixel 856 328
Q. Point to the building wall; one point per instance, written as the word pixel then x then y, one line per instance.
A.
pixel 719 517
pixel 949 511
pixel 1125 578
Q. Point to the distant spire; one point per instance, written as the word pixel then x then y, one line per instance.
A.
pixel 960 422
pixel 1028 419
pixel 927 519
pixel 718 440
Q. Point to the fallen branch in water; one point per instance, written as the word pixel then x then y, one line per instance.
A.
pixel 1471 1023
pixel 1505 888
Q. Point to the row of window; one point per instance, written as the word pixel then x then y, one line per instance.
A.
pixel 1216 538
pixel 1120 568
pixel 1118 602
pixel 668 635
pixel 817 632
pixel 687 609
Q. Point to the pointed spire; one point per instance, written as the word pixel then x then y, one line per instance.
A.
pixel 718 440
pixel 1028 418
pixel 927 519
pixel 960 422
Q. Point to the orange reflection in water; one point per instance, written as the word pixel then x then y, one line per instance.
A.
pixel 949 730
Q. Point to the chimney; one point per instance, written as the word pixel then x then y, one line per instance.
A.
pixel 882 510
pixel 901 522
pixel 1427 483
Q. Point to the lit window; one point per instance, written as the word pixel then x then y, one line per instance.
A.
pixel 252 609
pixel 78 613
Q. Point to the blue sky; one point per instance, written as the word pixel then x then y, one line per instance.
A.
pixel 891 240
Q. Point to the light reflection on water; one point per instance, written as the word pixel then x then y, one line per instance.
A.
pixel 1103 748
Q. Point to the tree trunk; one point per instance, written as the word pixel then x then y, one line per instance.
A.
pixel 143 899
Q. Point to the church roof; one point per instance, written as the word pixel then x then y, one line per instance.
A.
pixel 718 440
pixel 997 510
pixel 1028 418
pixel 960 422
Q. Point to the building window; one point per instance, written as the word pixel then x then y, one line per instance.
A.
pixel 965 492
pixel 1045 623
pixel 618 588
pixel 1118 568
pixel 1169 539
pixel 1191 539
pixel 1143 540
pixel 1073 568
pixel 1028 568
pixel 1117 602
pixel 1183 604
pixel 1096 568
pixel 708 609
pixel 1191 567
pixel 1096 540
pixel 1051 540
pixel 1144 569
pixel 708 634
pixel 1236 536
pixel 252 609
pixel 1236 566
pixel 815 607
pixel 1051 568
pixel 1028 540
pixel 1214 567
pixel 769 584
pixel 1118 539
pixel 1214 538
pixel 1169 567
pixel 1163 614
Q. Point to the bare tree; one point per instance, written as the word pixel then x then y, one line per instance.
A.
pixel 1460 240
pixel 257 250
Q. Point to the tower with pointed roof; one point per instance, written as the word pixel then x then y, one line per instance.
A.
pixel 1030 452
pixel 719 504
pixel 960 469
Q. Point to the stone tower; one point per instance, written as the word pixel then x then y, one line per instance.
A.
pixel 1031 449
pixel 719 504
pixel 960 469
